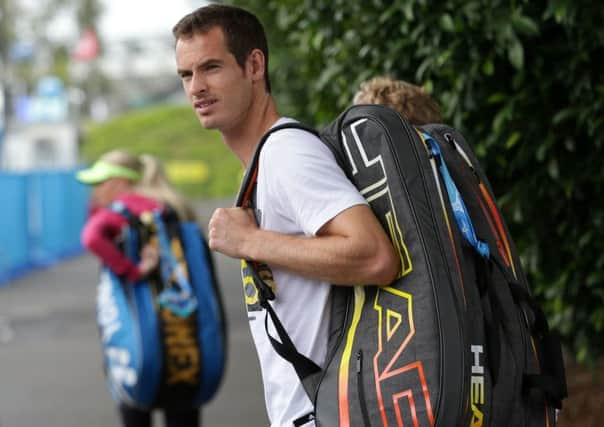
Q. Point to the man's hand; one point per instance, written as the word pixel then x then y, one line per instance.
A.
pixel 228 229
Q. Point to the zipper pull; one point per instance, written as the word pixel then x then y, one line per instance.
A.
pixel 359 361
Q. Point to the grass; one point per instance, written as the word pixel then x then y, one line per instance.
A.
pixel 174 135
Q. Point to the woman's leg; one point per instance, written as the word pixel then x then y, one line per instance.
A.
pixel 133 417
pixel 183 417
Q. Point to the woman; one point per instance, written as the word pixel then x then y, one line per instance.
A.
pixel 137 182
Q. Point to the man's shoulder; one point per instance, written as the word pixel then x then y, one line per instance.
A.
pixel 292 141
pixel 289 128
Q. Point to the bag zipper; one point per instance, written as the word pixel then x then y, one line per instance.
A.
pixel 361 389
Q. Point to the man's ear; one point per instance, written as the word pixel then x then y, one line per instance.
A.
pixel 256 63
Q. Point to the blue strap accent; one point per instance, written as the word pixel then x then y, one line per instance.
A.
pixel 459 208
pixel 119 207
pixel 209 325
pixel 180 301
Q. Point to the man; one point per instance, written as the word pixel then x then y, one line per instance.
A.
pixel 314 227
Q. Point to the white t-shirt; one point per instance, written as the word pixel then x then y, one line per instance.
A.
pixel 300 188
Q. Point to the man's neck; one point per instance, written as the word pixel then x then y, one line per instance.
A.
pixel 242 139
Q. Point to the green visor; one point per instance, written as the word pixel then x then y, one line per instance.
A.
pixel 102 171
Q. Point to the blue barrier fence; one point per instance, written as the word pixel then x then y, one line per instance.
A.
pixel 41 216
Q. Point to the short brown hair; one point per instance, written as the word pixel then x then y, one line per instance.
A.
pixel 243 31
pixel 408 99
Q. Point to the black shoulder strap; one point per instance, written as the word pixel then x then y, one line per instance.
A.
pixel 248 185
pixel 303 366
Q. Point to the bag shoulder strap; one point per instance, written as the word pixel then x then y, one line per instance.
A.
pixel 248 185
pixel 284 346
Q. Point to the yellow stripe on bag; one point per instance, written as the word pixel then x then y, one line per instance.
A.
pixel 359 300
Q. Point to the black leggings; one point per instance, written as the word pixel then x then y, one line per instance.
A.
pixel 132 417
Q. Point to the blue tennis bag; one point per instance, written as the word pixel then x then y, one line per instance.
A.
pixel 164 337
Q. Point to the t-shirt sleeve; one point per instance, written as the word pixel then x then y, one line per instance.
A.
pixel 98 236
pixel 306 180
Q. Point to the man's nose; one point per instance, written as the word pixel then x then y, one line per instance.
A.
pixel 198 85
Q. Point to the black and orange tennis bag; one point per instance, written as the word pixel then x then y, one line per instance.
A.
pixel 457 339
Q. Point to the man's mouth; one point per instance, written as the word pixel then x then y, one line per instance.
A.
pixel 203 104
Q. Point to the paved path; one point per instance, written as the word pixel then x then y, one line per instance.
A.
pixel 50 361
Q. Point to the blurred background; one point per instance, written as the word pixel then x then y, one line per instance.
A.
pixel 520 79
pixel 79 78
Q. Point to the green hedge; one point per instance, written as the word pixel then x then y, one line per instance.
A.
pixel 174 134
pixel 521 79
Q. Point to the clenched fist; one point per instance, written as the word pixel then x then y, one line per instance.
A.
pixel 228 230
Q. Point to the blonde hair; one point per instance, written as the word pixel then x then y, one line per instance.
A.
pixel 153 183
pixel 123 158
pixel 408 99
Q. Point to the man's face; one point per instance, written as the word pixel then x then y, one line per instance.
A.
pixel 217 87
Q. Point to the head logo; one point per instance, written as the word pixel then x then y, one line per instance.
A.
pixel 477 387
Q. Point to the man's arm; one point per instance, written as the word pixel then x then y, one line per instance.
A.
pixel 350 249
